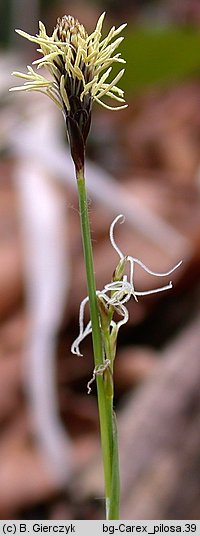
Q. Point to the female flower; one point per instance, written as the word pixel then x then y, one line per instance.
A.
pixel 118 292
pixel 80 65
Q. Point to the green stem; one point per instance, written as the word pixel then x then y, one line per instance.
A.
pixel 104 405
pixel 115 489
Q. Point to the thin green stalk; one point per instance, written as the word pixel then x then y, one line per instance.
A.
pixel 115 486
pixel 104 403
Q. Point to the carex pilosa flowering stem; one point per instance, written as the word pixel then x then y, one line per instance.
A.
pixel 79 65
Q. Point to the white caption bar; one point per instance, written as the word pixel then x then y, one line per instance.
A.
pixel 99 528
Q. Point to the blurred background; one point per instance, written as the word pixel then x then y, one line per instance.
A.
pixel 143 162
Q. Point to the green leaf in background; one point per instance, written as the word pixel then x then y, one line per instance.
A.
pixel 159 56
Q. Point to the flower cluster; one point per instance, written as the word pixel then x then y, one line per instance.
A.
pixel 80 65
pixel 112 299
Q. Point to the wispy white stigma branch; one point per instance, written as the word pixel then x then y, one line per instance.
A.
pixel 98 371
pixel 83 331
pixel 113 243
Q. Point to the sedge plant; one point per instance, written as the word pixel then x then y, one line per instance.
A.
pixel 80 66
